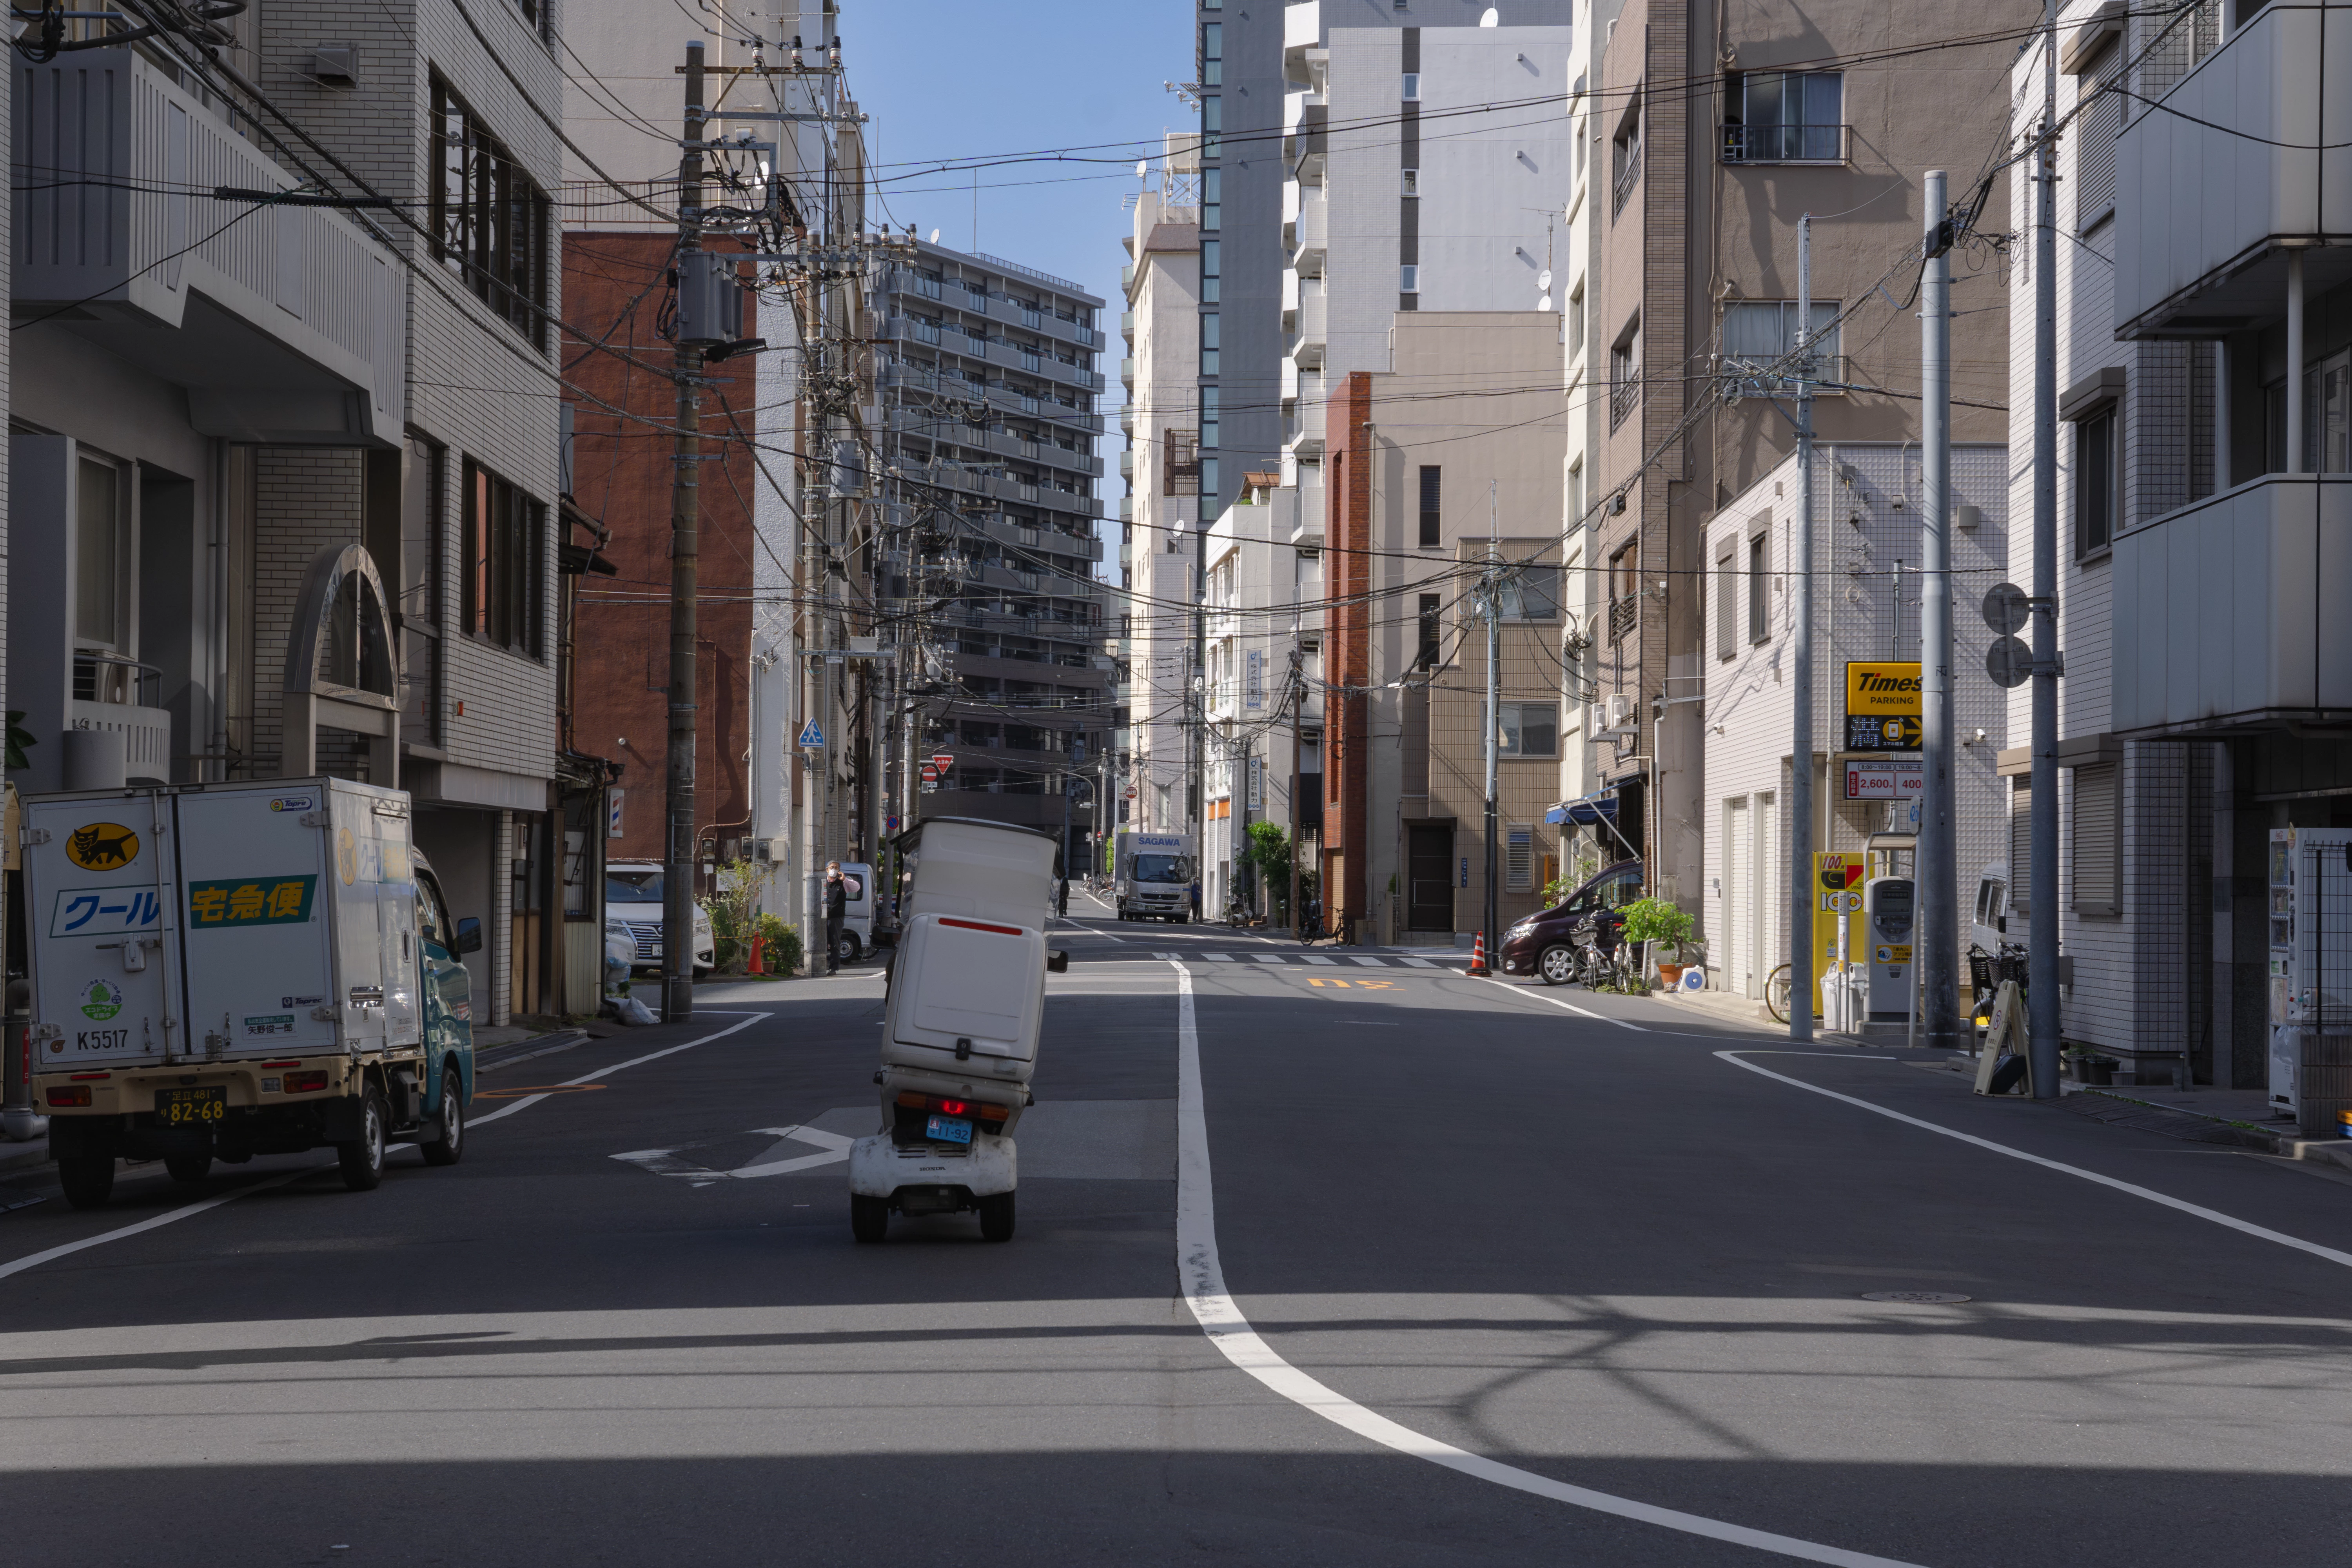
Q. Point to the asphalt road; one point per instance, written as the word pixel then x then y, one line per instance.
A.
pixel 1414 1268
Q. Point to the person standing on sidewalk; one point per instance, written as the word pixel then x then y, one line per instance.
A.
pixel 837 908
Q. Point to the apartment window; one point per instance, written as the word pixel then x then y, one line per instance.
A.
pixel 1759 578
pixel 1575 484
pixel 1213 127
pixel 1785 116
pixel 1411 182
pixel 505 562
pixel 1432 519
pixel 1760 333
pixel 1625 156
pixel 2102 122
pixel 1213 188
pixel 102 551
pixel 1212 54
pixel 1209 338
pixel 1576 320
pixel 1432 633
pixel 1518 858
pixel 1412 86
pixel 1624 373
pixel 1624 591
pixel 416 589
pixel 490 222
pixel 1528 730
pixel 1212 269
pixel 2096 483
pixel 1409 279
pixel 2099 850
pixel 1531 594
pixel 1209 399
pixel 1209 480
pixel 1727 598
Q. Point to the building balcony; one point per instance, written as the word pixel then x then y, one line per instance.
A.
pixel 287 325
pixel 1308 331
pixel 1127 373
pixel 2228 614
pixel 1784 143
pixel 2207 202
pixel 1625 396
pixel 1311 239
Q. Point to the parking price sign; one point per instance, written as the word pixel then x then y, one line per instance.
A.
pixel 1882 705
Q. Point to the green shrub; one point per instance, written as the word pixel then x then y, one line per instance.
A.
pixel 781 950
pixel 1656 921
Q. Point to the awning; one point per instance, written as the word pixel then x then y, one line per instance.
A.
pixel 1598 806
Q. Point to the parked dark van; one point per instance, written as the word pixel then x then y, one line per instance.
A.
pixel 1545 945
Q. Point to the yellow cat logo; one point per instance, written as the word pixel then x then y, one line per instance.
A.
pixel 102 847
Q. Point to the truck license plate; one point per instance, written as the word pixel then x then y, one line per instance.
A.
pixel 206 1107
pixel 948 1130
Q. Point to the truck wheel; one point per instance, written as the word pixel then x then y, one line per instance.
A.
pixel 996 1218
pixel 89 1179
pixel 188 1169
pixel 363 1157
pixel 451 1148
pixel 869 1218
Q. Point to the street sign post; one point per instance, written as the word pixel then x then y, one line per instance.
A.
pixel 2008 661
pixel 2005 608
pixel 811 737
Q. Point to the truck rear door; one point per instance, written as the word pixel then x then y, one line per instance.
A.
pixel 259 933
pixel 99 913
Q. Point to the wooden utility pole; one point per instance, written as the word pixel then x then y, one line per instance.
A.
pixel 685 534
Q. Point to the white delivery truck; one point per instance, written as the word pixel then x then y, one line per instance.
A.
pixel 221 971
pixel 967 996
pixel 1153 877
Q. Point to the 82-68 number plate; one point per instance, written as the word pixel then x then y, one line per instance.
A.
pixel 206 1107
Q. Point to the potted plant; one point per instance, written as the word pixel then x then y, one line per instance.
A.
pixel 1653 923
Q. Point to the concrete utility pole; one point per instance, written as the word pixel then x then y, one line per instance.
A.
pixel 1937 953
pixel 1197 700
pixel 1298 810
pixel 1494 594
pixel 2042 959
pixel 684 533
pixel 1802 883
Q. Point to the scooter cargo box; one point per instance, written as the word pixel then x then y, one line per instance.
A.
pixel 984 870
pixel 966 997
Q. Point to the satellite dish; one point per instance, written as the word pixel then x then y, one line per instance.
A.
pixel 1141 166
pixel 1544 303
pixel 1493 18
pixel 1543 280
pixel 934 236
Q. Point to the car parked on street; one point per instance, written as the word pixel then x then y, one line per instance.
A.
pixel 1546 944
pixel 632 908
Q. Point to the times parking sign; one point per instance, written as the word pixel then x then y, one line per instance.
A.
pixel 1882 705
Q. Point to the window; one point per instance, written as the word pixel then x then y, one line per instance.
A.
pixel 1727 598
pixel 1528 730
pixel 1785 116
pixel 1518 858
pixel 1624 590
pixel 1213 126
pixel 2102 123
pixel 1409 279
pixel 1432 633
pixel 1575 483
pixel 1209 338
pixel 1624 373
pixel 1411 93
pixel 1209 398
pixel 1759 334
pixel 1759 580
pixel 101 552
pixel 1626 156
pixel 1411 182
pixel 2098 840
pixel 2021 842
pixel 1531 594
pixel 1576 320
pixel 1432 520
pixel 505 561
pixel 1212 187
pixel 1212 269
pixel 1212 54
pixel 1209 478
pixel 415 588
pixel 2094 483
pixel 490 222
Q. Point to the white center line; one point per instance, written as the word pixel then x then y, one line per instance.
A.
pixel 1220 1317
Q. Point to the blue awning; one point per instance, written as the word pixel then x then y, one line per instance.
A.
pixel 1599 805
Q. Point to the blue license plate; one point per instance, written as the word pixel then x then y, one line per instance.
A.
pixel 948 1130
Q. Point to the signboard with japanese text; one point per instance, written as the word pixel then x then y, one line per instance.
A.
pixel 1890 778
pixel 1882 705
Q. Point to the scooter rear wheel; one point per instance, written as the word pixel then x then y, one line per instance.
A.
pixel 996 1218
pixel 869 1218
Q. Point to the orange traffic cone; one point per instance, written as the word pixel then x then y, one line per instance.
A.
pixel 1478 956
pixel 759 946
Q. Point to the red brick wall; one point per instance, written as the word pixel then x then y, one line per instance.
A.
pixel 1347 651
pixel 614 289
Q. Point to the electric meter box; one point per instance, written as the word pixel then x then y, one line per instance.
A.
pixel 1889 909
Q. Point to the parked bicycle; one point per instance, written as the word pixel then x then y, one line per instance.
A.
pixel 1310 923
pixel 1776 993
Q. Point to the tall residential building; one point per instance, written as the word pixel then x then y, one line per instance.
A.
pixel 1160 541
pixel 225 414
pixel 2203 366
pixel 1709 129
pixel 987 445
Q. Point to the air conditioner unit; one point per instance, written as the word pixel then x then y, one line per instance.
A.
pixel 1620 711
pixel 1597 721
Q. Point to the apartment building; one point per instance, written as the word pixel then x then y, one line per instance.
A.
pixel 229 413
pixel 1718 127
pixel 1429 485
pixel 1159 515
pixel 987 433
pixel 2204 501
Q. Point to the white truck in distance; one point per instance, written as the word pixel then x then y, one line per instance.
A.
pixel 1152 878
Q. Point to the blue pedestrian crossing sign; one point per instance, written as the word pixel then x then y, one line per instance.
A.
pixel 811 735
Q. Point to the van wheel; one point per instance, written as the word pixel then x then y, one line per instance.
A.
pixel 847 949
pixel 996 1218
pixel 869 1218
pixel 362 1158
pixel 451 1147
pixel 89 1179
pixel 1557 965
pixel 188 1169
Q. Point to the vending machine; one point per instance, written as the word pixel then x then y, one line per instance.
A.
pixel 2310 964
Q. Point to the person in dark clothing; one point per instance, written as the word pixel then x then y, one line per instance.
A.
pixel 836 908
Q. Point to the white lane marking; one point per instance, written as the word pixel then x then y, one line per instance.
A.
pixel 1269 958
pixel 1166 956
pixel 35 1259
pixel 531 1100
pixel 1312 958
pixel 2229 1221
pixel 1579 1012
pixel 1418 964
pixel 666 1163
pixel 1218 957
pixel 1368 963
pixel 1220 1317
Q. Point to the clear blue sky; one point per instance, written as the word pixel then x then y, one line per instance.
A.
pixel 953 80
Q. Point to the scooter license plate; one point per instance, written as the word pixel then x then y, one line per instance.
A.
pixel 948 1130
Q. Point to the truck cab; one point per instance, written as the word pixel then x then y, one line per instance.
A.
pixel 1153 877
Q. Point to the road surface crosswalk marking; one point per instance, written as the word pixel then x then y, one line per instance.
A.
pixel 1368 960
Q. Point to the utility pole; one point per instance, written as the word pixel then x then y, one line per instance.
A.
pixel 1802 883
pixel 1937 952
pixel 1198 701
pixel 685 533
pixel 1492 594
pixel 1297 811
pixel 2041 958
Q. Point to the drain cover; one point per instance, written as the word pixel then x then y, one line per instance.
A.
pixel 1936 1297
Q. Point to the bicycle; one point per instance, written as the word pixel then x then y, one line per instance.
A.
pixel 1310 924
pixel 1776 993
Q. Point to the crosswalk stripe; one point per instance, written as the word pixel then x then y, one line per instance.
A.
pixel 1175 955
pixel 1373 963
pixel 1269 958
pixel 1418 964
pixel 1218 957
pixel 1319 958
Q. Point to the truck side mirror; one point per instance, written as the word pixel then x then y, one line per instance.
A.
pixel 1057 961
pixel 469 936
